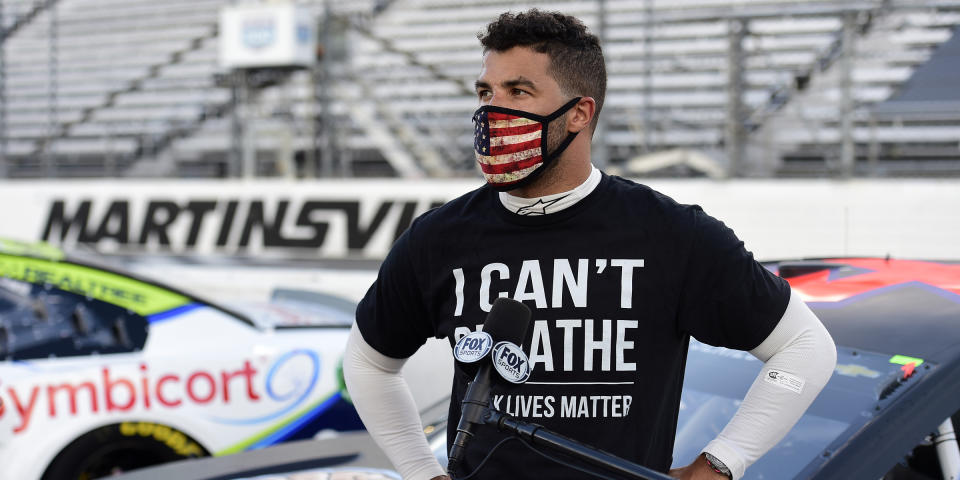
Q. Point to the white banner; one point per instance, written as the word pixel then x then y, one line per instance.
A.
pixel 777 219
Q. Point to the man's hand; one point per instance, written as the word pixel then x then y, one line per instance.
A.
pixel 698 470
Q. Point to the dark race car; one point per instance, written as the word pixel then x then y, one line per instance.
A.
pixel 896 324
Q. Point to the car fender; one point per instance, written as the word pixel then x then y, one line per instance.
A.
pixel 41 447
pixel 49 434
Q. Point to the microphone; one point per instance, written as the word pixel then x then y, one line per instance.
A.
pixel 507 321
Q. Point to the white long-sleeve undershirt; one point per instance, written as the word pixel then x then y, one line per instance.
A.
pixel 800 347
pixel 385 404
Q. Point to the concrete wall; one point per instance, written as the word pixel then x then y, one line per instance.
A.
pixel 360 219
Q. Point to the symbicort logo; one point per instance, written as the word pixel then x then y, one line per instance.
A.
pixel 511 363
pixel 288 383
pixel 473 347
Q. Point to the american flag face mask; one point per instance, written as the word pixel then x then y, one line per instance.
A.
pixel 511 145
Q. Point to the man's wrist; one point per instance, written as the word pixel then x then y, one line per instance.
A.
pixel 717 465
pixel 727 454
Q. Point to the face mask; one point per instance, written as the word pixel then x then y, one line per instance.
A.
pixel 511 145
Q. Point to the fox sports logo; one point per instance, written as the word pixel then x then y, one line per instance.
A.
pixel 473 347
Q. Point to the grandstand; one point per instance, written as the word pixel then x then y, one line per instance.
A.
pixel 696 87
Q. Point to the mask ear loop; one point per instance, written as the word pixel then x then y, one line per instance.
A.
pixel 563 145
pixel 546 125
pixel 560 111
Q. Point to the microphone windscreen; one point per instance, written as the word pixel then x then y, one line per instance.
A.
pixel 508 320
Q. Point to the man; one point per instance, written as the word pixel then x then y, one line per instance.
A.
pixel 618 277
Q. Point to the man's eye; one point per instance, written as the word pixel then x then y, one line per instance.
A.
pixel 517 91
pixel 483 93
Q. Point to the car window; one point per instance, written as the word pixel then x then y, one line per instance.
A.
pixel 143 297
pixel 41 322
pixel 717 379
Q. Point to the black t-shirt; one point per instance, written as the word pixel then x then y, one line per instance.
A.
pixel 618 283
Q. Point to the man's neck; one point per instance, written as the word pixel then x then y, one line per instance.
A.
pixel 569 173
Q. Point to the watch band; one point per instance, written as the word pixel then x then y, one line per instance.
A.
pixel 717 465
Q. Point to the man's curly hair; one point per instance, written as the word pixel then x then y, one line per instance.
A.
pixel 576 59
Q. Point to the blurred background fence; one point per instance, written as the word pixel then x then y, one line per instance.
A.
pixel 697 88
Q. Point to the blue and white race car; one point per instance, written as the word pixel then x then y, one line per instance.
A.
pixel 102 371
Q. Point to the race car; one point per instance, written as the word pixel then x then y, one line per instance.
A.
pixel 885 413
pixel 103 371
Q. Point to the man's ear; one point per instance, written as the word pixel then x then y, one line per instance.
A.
pixel 581 114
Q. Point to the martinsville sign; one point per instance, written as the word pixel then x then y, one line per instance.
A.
pixel 362 218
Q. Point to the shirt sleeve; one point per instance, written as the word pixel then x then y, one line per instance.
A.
pixel 392 317
pixel 728 298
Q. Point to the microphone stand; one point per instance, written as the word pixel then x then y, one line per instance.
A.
pixel 473 410
pixel 538 435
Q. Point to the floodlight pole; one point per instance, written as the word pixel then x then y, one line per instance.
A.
pixel 249 144
pixel 734 135
pixel 326 117
pixel 847 154
pixel 648 76
pixel 873 149
pixel 601 154
pixel 241 160
pixel 329 153
pixel 52 86
pixel 312 153
pixel 236 126
pixel 3 97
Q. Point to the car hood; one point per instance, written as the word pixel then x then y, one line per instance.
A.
pixel 900 307
pixel 275 315
pixel 291 308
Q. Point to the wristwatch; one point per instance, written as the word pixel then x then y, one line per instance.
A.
pixel 717 465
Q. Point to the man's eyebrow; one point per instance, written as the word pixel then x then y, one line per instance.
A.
pixel 520 82
pixel 516 82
